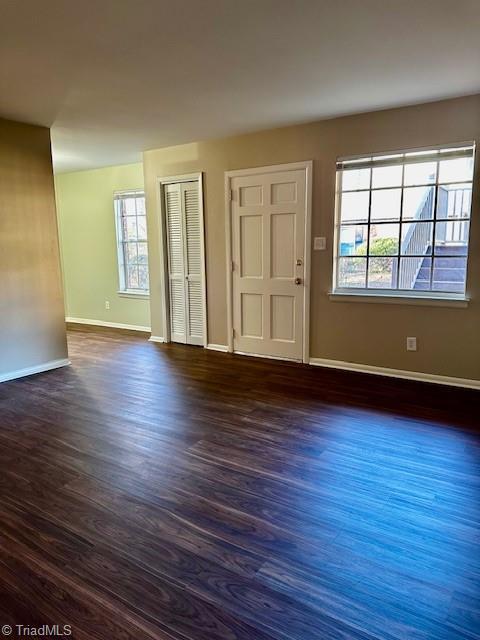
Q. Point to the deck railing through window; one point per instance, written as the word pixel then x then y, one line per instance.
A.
pixel 417 242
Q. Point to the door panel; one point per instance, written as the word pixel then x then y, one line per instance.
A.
pixel 251 195
pixel 193 228
pixel 283 192
pixel 283 318
pixel 195 312
pixel 252 315
pixel 251 251
pixel 268 250
pixel 282 227
pixel 176 272
pixel 177 311
pixel 193 262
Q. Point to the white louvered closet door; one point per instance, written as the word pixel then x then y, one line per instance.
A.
pixel 184 237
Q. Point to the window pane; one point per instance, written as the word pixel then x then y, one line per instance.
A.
pixel 355 207
pixel 386 204
pixel 140 206
pixel 356 179
pixel 418 203
pixel 142 253
pixel 387 176
pixel 132 277
pixel 454 201
pixel 420 173
pixel 384 239
pixel 352 272
pixel 415 274
pixel 353 240
pixel 130 228
pixel 131 252
pixel 458 170
pixel 142 227
pixel 451 238
pixel 382 273
pixel 449 274
pixel 417 238
pixel 130 209
pixel 143 277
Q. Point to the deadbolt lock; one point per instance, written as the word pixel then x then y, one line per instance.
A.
pixel 299 262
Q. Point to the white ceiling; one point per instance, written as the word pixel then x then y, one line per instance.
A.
pixel 115 77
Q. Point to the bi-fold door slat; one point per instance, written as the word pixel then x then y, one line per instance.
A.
pixel 176 271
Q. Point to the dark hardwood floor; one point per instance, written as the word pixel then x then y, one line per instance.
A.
pixel 168 492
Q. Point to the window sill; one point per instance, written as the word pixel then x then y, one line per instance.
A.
pixel 460 302
pixel 134 294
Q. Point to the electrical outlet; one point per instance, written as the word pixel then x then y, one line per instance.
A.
pixel 411 344
pixel 319 244
pixel 107 304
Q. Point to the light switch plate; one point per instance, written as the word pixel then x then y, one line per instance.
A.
pixel 319 244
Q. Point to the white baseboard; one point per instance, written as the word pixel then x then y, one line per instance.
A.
pixel 318 362
pixel 218 347
pixel 39 368
pixel 113 325
pixel 396 373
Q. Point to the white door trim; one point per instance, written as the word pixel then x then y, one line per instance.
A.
pixel 161 182
pixel 306 166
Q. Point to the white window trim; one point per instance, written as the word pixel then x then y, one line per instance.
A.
pixel 387 296
pixel 133 293
pixel 122 290
pixel 397 296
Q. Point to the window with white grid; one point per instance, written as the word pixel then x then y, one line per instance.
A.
pixel 131 223
pixel 403 222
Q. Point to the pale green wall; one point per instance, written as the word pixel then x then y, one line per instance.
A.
pixel 88 245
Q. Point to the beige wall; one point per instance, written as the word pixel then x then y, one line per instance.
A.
pixel 360 332
pixel 88 245
pixel 32 327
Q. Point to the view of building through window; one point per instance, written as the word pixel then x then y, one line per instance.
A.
pixel 403 221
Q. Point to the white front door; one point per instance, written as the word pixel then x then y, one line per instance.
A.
pixel 268 254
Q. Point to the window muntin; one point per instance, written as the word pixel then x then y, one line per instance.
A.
pixel 131 224
pixel 403 222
